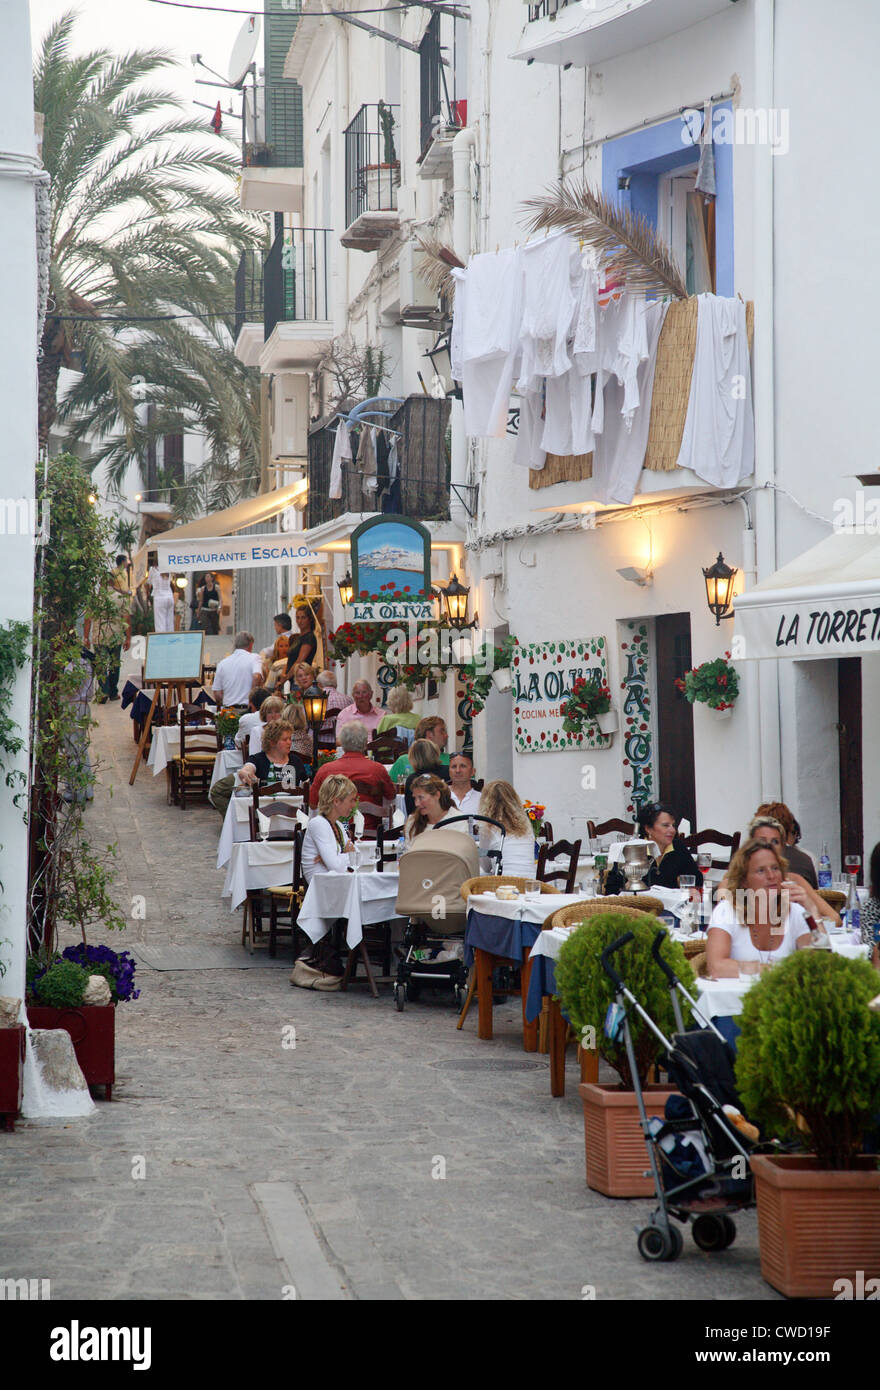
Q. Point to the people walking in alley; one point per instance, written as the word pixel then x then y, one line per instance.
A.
pixel 208 603
pixel 163 599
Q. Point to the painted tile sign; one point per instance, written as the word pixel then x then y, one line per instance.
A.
pixel 543 676
pixel 638 753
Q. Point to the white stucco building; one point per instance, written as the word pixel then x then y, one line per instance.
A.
pixel 610 92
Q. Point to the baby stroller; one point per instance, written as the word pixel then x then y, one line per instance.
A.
pixel 699 1159
pixel 429 896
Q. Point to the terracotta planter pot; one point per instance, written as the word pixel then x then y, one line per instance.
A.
pixel 92 1028
pixel 617 1157
pixel 12 1049
pixel 816 1227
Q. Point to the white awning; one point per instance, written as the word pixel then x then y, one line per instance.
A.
pixel 247 513
pixel 824 604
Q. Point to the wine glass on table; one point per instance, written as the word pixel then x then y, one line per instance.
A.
pixel 852 863
pixel 704 864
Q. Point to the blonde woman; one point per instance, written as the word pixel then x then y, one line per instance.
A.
pixel 303 743
pixel 326 846
pixel 500 802
pixel 400 703
pixel 753 921
pixel 270 708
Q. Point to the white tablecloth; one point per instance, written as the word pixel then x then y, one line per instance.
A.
pixel 254 864
pixel 550 942
pixel 236 822
pixel 165 747
pixel 717 998
pixel 227 760
pixel 362 898
pixel 518 909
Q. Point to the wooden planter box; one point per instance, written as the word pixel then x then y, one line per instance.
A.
pixel 13 1042
pixel 816 1227
pixel 92 1028
pixel 617 1157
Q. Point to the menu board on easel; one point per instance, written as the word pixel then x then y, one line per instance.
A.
pixel 174 657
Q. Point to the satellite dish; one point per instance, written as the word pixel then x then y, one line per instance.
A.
pixel 243 50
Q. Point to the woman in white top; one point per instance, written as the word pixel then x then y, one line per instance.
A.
pixel 326 847
pixel 753 921
pixel 500 802
pixel 433 807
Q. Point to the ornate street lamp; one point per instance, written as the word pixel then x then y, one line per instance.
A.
pixel 719 588
pixel 315 706
pixel 346 589
pixel 455 598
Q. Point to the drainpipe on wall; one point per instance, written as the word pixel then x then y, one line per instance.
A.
pixel 462 151
pixel 768 722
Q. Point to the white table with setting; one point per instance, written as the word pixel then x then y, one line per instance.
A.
pixel 236 822
pixel 362 898
pixel 724 998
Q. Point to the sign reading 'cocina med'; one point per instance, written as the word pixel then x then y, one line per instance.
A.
pixel 544 674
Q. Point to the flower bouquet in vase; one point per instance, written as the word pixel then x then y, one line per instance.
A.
pixel 227 726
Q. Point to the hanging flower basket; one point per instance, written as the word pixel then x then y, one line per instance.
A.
pixel 715 683
pixel 588 703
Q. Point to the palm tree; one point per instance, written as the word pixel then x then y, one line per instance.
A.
pixel 146 232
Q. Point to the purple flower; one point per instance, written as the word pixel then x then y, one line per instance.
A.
pixel 121 966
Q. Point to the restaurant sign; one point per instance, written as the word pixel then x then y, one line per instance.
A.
pixel 233 553
pixel 384 611
pixel 807 628
pixel 544 674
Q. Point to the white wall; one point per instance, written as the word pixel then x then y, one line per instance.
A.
pixel 18 440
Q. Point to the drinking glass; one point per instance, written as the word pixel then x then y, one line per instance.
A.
pixel 748 969
pixel 704 864
pixel 532 890
pixel 852 863
pixel 687 881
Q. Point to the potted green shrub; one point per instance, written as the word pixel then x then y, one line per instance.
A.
pixel 57 991
pixel 808 1067
pixel 615 1147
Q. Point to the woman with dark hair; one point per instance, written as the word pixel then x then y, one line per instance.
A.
pixel 658 822
pixel 208 604
pixel 870 914
pixel 303 644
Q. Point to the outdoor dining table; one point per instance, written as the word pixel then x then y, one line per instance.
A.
pixel 227 760
pixel 237 825
pixel 505 930
pixel 362 899
pixel 724 998
pixel 165 748
pixel 257 864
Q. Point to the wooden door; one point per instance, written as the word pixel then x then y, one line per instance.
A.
pixel 675 716
pixel 849 732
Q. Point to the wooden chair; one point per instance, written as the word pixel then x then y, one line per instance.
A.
pixel 714 837
pixel 282 817
pixel 286 901
pixel 832 896
pixel 327 737
pixel 610 827
pixel 195 765
pixel 480 885
pixel 558 850
pixel 386 748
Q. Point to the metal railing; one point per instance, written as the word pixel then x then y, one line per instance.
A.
pixel 438 107
pixel 372 162
pixel 544 8
pixel 296 278
pixel 248 289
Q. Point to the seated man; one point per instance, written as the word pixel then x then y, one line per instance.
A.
pixel 371 778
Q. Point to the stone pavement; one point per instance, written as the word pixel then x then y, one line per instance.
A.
pixel 269 1168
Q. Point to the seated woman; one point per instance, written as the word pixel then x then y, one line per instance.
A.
pixel 269 765
pixel 801 863
pixel 870 914
pixel 658 822
pixel 326 847
pixel 303 740
pixel 425 758
pixel 500 802
pixel 752 921
pixel 400 703
pixel 250 739
pixel 433 806
pixel 771 832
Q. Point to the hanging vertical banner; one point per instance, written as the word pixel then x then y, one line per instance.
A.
pixel 544 674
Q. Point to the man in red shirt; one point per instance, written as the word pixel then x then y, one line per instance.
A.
pixel 371 778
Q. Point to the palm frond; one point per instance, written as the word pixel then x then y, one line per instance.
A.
pixel 435 263
pixel 627 242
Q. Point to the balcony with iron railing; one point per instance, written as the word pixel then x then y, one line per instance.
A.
pixel 372 177
pixel 583 32
pixel 443 108
pixel 296 299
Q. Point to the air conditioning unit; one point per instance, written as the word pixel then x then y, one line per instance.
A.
pixel 419 306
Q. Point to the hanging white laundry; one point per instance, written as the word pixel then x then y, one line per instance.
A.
pixel 529 452
pixel 484 344
pixel 567 425
pixel 718 443
pixel 583 348
pixel 367 462
pixel 621 346
pixel 549 305
pixel 341 454
pixel 619 452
